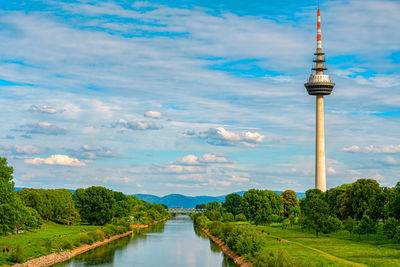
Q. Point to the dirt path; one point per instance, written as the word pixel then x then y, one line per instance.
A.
pixel 324 254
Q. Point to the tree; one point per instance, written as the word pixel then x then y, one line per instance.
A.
pixel 9 206
pixel 350 225
pixel 390 228
pixel 96 204
pixel 333 198
pixel 233 203
pixel 260 204
pixel 394 202
pixel 214 205
pixel 316 213
pixel 366 226
pixel 228 217
pixel 362 197
pixel 289 200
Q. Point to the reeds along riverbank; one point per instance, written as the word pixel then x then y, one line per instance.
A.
pixel 54 258
pixel 237 259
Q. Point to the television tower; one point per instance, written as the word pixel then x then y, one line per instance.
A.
pixel 319 84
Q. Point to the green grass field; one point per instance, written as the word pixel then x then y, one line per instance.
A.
pixel 374 250
pixel 38 238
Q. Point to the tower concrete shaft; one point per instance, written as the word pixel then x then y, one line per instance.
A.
pixel 319 84
pixel 320 172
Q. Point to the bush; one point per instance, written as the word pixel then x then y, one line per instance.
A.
pixel 245 242
pixel 390 228
pixel 216 228
pixel 110 229
pixel 66 243
pixel 17 254
pixel 228 217
pixel 85 239
pixel 100 234
pixel 120 229
pixel 275 218
pixel 240 217
pixel 273 259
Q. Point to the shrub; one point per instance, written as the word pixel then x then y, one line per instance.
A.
pixel 120 229
pixel 85 239
pixel 17 254
pixel 273 259
pixel 76 242
pixel 275 218
pixel 101 235
pixel 245 242
pixel 66 243
pixel 390 228
pixel 96 236
pixel 111 228
pixel 228 217
pixel 240 217
pixel 216 228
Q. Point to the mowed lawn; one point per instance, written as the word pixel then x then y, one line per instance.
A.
pixel 372 251
pixel 38 238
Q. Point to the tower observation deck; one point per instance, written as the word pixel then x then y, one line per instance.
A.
pixel 319 84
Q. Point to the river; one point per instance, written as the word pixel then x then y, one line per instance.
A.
pixel 173 243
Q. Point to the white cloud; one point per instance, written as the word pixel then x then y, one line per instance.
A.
pixel 138 125
pixel 175 168
pixel 205 158
pixel 19 149
pixel 219 136
pixel 45 128
pixel 331 171
pixel 153 114
pixel 388 160
pixel 189 159
pixel 43 109
pixel 213 158
pixel 374 149
pixel 56 160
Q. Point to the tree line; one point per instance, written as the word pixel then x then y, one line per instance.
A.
pixel 27 208
pixel 360 208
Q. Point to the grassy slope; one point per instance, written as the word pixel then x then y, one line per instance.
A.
pixel 375 251
pixel 38 238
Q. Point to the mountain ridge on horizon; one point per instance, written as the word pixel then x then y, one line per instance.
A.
pixel 179 200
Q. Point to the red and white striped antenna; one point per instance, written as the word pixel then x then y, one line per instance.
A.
pixel 319 43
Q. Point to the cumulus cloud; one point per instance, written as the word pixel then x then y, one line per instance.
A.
pixel 45 128
pixel 372 149
pixel 153 114
pixel 221 137
pixel 138 125
pixel 176 168
pixel 91 152
pixel 205 158
pixel 63 160
pixel 43 109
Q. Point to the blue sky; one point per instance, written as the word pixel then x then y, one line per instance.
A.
pixel 196 97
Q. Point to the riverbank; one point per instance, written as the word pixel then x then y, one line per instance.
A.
pixel 54 258
pixel 228 252
pixel 48 260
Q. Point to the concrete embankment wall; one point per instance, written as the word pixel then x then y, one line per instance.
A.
pixel 237 259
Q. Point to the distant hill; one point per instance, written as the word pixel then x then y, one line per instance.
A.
pixel 187 202
pixel 178 200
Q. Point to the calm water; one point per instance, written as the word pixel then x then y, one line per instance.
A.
pixel 173 243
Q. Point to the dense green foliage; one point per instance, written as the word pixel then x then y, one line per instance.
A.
pixel 260 204
pixel 51 204
pixel 14 216
pixel 289 201
pixel 233 204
